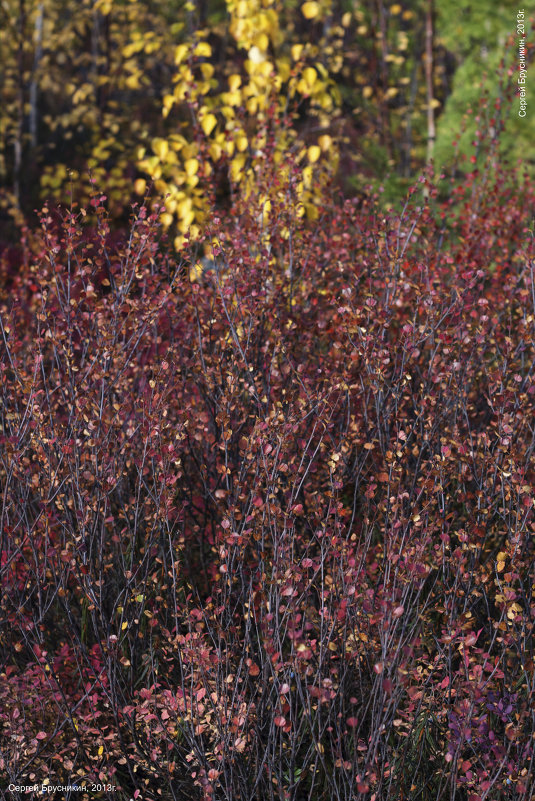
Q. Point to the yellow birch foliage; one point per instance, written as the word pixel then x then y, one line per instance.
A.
pixel 225 114
pixel 79 92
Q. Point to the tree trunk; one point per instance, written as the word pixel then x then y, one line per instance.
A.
pixel 33 123
pixel 17 144
pixel 429 81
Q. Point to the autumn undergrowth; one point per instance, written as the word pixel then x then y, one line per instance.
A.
pixel 267 516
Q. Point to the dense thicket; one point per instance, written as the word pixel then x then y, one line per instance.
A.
pixel 267 517
pixel 266 435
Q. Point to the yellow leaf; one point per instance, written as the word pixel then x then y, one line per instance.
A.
pixel 395 9
pixel 284 69
pixel 203 49
pixel 184 206
pixel 187 215
pixel 195 272
pixel 310 75
pixel 208 123
pixel 310 10
pixel 242 142
pixel 124 626
pixel 265 69
pixel 104 6
pixel 262 41
pixel 215 151
pixel 140 186
pixel 101 750
pixel 180 53
pixel 234 82
pixel 189 151
pixel 367 92
pixel 313 153
pixel 325 142
pixel 236 167
pixel 312 211
pixel 130 49
pixel 207 71
pixel 228 112
pixel 256 56
pixel 191 166
pixel 297 49
pixel 168 103
pixel 160 147
pixel 132 82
